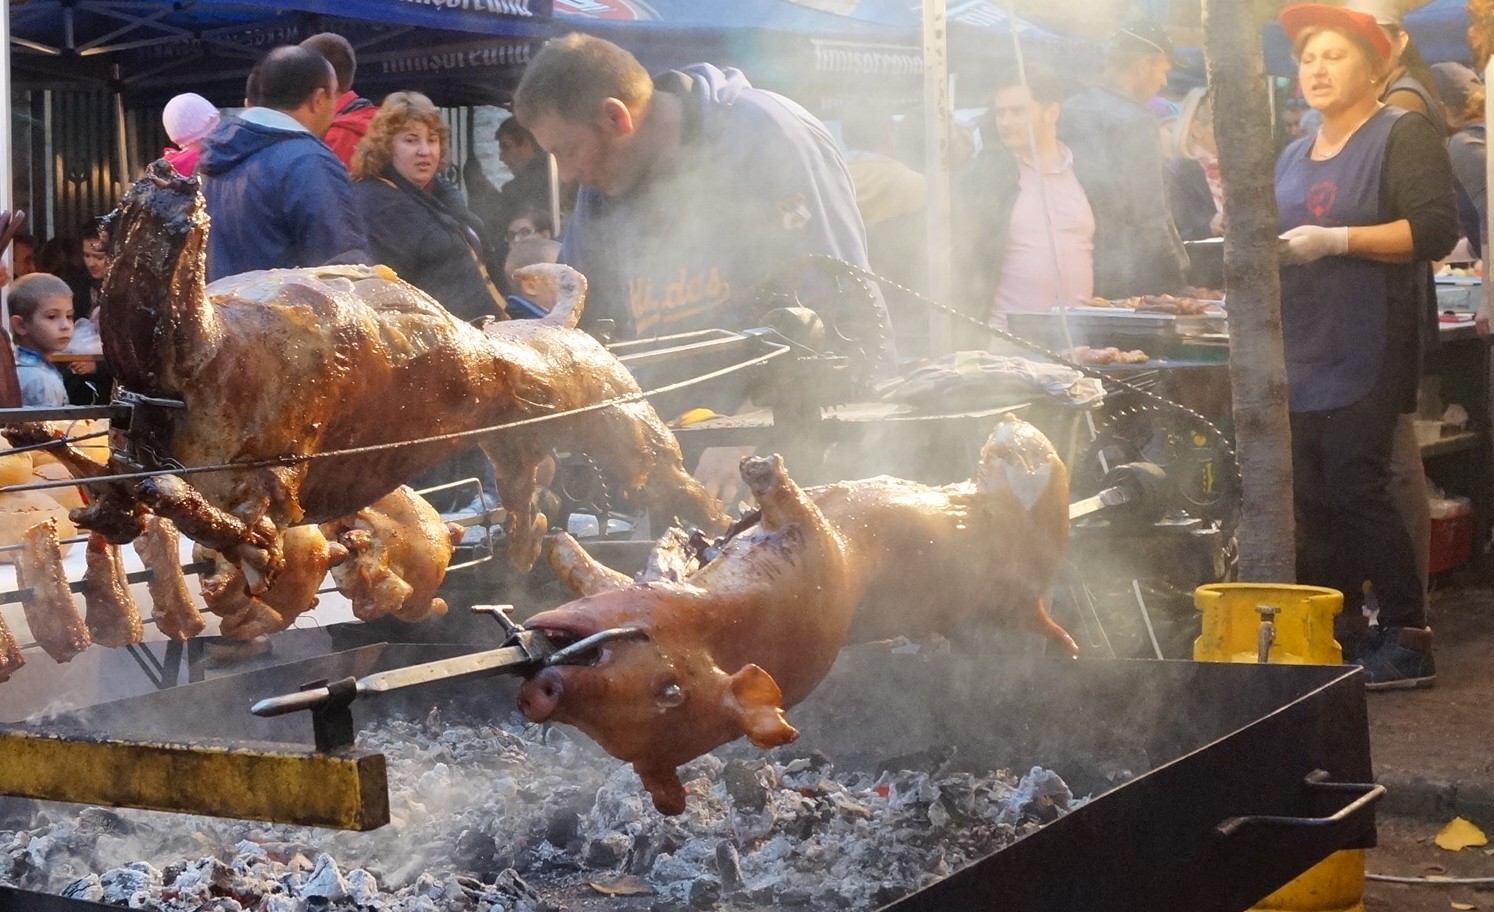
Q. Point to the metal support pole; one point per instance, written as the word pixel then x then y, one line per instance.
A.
pixel 122 169
pixel 936 114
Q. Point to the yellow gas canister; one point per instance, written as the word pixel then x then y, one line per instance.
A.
pixel 1254 622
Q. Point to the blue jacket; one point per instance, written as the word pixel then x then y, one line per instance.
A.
pixel 277 199
pixel 756 182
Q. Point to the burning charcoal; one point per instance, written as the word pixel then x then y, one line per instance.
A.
pixel 476 851
pixel 704 894
pixel 325 880
pixel 729 866
pixel 608 852
pixel 563 827
pixel 121 885
pixel 743 785
pixel 86 888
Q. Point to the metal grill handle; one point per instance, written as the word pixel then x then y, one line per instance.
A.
pixel 1317 780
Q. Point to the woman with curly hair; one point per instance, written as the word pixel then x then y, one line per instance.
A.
pixel 418 224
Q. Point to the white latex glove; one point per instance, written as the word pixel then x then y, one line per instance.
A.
pixel 1307 243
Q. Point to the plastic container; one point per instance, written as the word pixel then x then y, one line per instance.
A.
pixel 1452 534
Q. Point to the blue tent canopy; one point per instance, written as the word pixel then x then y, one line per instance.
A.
pixel 150 49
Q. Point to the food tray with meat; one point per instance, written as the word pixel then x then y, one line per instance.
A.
pixel 1089 324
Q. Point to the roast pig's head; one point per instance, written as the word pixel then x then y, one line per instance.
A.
pixel 655 702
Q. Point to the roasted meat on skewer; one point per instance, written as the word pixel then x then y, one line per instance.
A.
pixel 398 550
pixel 171 605
pixel 113 618
pixel 293 592
pixel 10 653
pixel 738 630
pixel 295 363
pixel 45 596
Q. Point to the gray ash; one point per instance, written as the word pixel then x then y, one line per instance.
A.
pixel 511 817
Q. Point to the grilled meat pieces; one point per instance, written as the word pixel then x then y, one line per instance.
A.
pixel 172 608
pixel 11 658
pixel 398 549
pixel 113 618
pixel 46 598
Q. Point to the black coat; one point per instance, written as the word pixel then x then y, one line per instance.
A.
pixel 981 215
pixel 431 240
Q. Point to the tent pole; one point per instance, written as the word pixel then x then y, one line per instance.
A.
pixel 6 144
pixel 121 137
pixel 936 115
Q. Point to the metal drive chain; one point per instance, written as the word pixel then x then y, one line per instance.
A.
pixel 1216 437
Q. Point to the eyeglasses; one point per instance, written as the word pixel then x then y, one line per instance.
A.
pixel 518 233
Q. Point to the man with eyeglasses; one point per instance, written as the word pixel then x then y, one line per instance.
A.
pixel 1118 160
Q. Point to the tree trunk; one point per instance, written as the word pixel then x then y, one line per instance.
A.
pixel 1257 367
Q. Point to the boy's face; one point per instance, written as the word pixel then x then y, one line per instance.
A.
pixel 48 330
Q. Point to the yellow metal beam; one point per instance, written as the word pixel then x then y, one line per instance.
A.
pixel 346 790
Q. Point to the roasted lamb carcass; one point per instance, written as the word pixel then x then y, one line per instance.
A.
pixel 287 364
pixel 733 638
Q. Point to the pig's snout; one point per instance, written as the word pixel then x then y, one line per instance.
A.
pixel 541 694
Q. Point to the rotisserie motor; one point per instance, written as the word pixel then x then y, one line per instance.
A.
pixel 286 364
pixel 738 632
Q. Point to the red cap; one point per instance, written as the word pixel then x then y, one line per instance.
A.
pixel 1307 15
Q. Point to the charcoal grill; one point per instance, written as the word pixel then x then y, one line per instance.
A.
pixel 1244 775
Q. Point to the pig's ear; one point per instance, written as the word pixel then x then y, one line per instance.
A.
pixel 663 784
pixel 754 700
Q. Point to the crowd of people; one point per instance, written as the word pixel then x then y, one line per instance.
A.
pixel 682 191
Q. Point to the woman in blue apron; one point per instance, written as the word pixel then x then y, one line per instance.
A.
pixel 1364 202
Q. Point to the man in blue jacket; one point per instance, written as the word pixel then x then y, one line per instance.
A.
pixel 277 196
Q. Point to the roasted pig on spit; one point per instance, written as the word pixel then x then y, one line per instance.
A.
pixel 398 549
pixel 10 653
pixel 737 632
pixel 113 618
pixel 172 608
pixel 286 364
pixel 45 596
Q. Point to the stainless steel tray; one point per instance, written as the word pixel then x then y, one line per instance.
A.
pixel 1118 319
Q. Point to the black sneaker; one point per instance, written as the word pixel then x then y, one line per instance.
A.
pixel 1398 658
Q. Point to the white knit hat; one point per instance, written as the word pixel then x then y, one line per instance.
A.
pixel 189 117
pixel 1386 12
